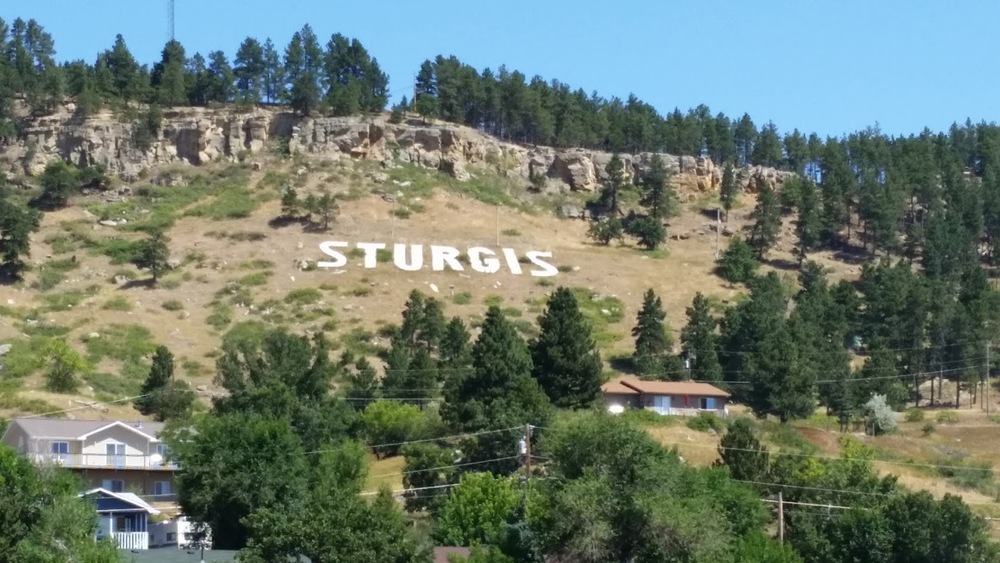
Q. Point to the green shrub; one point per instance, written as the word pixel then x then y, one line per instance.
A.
pixel 705 421
pixel 256 278
pixel 256 264
pixel 928 429
pixel 511 233
pixel 220 317
pixel 303 296
pixel 63 301
pixel 947 417
pixel 493 300
pixel 463 298
pixel 119 303
pixel 119 342
pixel 173 305
pixel 914 415
pixel 53 272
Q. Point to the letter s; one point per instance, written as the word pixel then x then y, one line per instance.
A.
pixel 547 270
pixel 339 260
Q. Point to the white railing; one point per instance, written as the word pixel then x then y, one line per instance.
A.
pixel 132 540
pixel 103 461
pixel 674 411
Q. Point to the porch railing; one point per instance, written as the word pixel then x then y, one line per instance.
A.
pixel 102 461
pixel 132 540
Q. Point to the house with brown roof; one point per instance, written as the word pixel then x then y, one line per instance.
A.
pixel 678 398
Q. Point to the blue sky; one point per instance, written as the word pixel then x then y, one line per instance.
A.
pixel 827 66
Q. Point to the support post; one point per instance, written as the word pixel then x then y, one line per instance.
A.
pixel 781 519
pixel 987 380
pixel 718 231
pixel 527 450
pixel 498 226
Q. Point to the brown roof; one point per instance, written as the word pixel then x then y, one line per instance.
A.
pixel 671 387
pixel 615 387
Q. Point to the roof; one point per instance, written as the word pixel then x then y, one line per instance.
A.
pixel 66 429
pixel 174 555
pixel 616 387
pixel 129 498
pixel 671 387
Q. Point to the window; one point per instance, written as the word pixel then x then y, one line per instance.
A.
pixel 113 485
pixel 161 488
pixel 60 451
pixel 171 537
pixel 115 455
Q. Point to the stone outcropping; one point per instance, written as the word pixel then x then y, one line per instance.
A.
pixel 195 136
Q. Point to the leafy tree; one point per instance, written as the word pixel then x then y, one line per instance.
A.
pixel 334 523
pixel 59 182
pixel 154 254
pixel 427 465
pixel 64 363
pixel 698 341
pixel 566 362
pixel 742 452
pixel 17 222
pixel 738 263
pixel 606 230
pixel 767 221
pixel 652 342
pixel 391 422
pixel 283 376
pixel 236 464
pixel 162 396
pixel 881 418
pixel 476 510
pixel 729 190
pixel 649 231
pixel 615 185
pixel 43 518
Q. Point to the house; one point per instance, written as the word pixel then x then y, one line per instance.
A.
pixel 123 517
pixel 679 398
pixel 174 532
pixel 113 455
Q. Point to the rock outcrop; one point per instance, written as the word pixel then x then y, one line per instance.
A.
pixel 195 136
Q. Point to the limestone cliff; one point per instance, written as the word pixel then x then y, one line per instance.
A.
pixel 196 136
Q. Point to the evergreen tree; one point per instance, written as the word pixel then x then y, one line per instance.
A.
pixel 741 451
pixel 455 348
pixel 59 182
pixel 767 148
pixel 658 196
pixel 127 78
pixel 729 190
pixel 362 383
pixel 566 362
pixel 767 221
pixel 698 341
pixel 605 230
pixel 615 185
pixel 652 342
pixel 273 75
pixel 154 254
pixel 249 70
pixel 423 321
pixel 169 79
pixel 17 222
pixel 219 78
pixel 649 231
pixel 162 396
pixel 291 207
pixel 808 225
pixel 738 263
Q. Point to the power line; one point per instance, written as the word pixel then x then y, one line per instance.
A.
pixel 425 440
pixel 85 407
pixel 428 469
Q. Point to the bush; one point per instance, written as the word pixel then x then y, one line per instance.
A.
pixel 706 421
pixel 949 417
pixel 928 429
pixel 303 296
pixel 463 298
pixel 914 415
pixel 881 417
pixel 119 303
pixel 172 305
pixel 392 422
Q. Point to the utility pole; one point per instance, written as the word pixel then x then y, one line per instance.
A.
pixel 987 380
pixel 498 226
pixel 527 451
pixel 781 519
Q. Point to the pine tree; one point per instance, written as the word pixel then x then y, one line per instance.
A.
pixel 290 205
pixel 455 348
pixel 17 222
pixel 652 343
pixel 249 70
pixel 327 209
pixel 162 396
pixel 219 86
pixel 566 362
pixel 606 230
pixel 729 189
pixel 615 185
pixel 648 231
pixel 273 76
pixel 742 452
pixel 127 79
pixel 423 321
pixel 362 384
pixel 698 341
pixel 767 221
pixel 154 255
pixel 658 196
pixel 738 264
pixel 808 225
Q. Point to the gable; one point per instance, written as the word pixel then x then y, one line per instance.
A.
pixel 139 434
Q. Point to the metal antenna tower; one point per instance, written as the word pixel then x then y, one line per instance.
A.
pixel 170 18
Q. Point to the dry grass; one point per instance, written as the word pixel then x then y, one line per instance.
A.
pixel 388 472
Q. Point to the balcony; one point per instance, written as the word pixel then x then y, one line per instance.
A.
pixel 103 461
